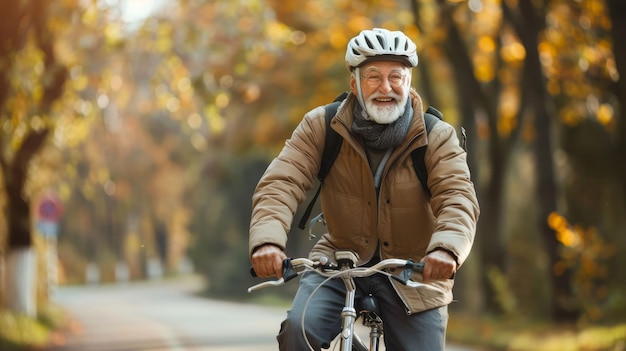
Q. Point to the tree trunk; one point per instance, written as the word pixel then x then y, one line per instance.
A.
pixel 21 281
pixel 21 263
pixel 617 13
pixel 20 268
pixel 562 294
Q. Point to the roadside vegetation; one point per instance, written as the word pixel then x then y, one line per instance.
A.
pixel 19 332
pixel 496 334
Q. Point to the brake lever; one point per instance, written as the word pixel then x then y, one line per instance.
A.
pixel 265 284
pixel 407 271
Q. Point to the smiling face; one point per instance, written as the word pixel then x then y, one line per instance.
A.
pixel 385 86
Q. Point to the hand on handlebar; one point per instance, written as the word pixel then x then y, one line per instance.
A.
pixel 267 261
pixel 293 267
pixel 438 265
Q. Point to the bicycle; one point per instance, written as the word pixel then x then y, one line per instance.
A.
pixel 346 270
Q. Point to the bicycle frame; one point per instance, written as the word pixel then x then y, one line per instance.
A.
pixel 346 270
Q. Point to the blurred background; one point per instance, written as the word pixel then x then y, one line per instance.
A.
pixel 132 135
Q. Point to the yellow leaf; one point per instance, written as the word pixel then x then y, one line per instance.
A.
pixel 214 119
pixel 90 16
pixel 514 52
pixel 486 44
pixel 605 114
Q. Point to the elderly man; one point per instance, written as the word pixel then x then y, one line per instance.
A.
pixel 373 202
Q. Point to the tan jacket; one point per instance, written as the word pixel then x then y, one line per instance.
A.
pixel 402 219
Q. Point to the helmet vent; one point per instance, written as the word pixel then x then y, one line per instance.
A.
pixel 381 41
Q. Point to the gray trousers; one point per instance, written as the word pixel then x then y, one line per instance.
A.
pixel 322 318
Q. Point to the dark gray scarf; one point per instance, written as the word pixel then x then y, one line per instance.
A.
pixel 382 136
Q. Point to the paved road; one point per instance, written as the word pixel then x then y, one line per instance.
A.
pixel 165 315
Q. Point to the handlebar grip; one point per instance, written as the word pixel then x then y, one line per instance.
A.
pixel 416 266
pixel 288 272
pixel 419 267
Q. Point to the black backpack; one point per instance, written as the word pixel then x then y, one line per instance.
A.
pixel 332 145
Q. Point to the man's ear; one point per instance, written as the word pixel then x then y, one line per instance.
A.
pixel 353 83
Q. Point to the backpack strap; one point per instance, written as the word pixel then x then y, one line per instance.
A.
pixel 332 145
pixel 332 142
pixel 431 117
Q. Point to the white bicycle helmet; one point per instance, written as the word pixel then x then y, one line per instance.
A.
pixel 380 44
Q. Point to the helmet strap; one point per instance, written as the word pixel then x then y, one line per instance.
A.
pixel 359 95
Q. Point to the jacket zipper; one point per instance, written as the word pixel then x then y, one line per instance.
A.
pixel 406 305
pixel 373 183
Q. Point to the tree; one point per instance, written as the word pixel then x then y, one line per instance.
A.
pixel 31 79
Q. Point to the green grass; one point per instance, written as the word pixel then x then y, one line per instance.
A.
pixel 19 332
pixel 521 335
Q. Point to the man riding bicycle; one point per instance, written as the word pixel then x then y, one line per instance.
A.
pixel 373 202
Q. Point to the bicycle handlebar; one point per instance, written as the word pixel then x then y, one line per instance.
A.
pixel 292 267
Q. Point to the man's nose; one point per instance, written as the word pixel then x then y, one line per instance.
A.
pixel 385 86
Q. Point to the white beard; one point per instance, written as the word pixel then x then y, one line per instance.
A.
pixel 386 114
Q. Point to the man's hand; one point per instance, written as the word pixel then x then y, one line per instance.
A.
pixel 438 264
pixel 267 261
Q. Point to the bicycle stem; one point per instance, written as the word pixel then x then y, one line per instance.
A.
pixel 349 312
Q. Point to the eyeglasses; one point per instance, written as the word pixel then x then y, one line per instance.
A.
pixel 374 80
